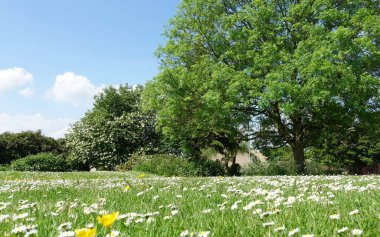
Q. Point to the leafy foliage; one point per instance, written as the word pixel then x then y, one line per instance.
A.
pixel 293 69
pixel 169 165
pixel 17 145
pixel 41 162
pixel 113 130
pixel 355 149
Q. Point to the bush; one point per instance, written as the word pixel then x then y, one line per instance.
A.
pixel 136 159
pixel 314 167
pixel 41 162
pixel 274 167
pixel 14 146
pixel 169 165
pixel 210 167
pixel 4 168
pixel 284 167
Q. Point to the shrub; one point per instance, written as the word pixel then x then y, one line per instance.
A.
pixel 169 165
pixel 210 167
pixel 18 145
pixel 284 167
pixel 234 170
pixel 314 167
pixel 136 159
pixel 274 167
pixel 41 162
pixel 4 167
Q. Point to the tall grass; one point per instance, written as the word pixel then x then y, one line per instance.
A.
pixel 156 206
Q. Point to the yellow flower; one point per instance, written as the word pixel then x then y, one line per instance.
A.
pixel 108 219
pixel 141 175
pixel 127 188
pixel 85 232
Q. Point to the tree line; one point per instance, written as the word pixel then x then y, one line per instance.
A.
pixel 297 78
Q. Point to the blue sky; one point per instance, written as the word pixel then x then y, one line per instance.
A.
pixel 55 55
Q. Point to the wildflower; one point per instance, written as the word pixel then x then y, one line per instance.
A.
pixel 19 229
pixel 354 212
pixel 67 234
pixel 184 233
pixel 249 206
pixel 268 223
pixel 257 211
pixel 344 229
pixel 293 232
pixel 20 216
pixel 85 232
pixel 4 217
pixel 108 219
pixel 90 225
pixel 141 175
pixel 174 212
pixel 308 235
pixel 113 233
pixel 335 217
pixel 31 232
pixel 65 226
pixel 281 228
pixel 203 233
pixel 235 205
pixel 126 188
pixel 356 232
pixel 87 210
pixel 207 211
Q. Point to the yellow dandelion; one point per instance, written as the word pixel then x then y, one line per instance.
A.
pixel 108 219
pixel 91 232
pixel 141 175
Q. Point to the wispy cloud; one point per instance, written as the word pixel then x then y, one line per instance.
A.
pixel 14 78
pixel 27 92
pixel 74 89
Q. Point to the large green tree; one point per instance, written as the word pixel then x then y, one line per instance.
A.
pixel 18 145
pixel 113 130
pixel 292 68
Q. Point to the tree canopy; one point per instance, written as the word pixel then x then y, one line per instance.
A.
pixel 294 69
pixel 113 130
pixel 18 145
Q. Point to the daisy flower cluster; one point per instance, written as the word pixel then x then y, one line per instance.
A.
pixel 305 206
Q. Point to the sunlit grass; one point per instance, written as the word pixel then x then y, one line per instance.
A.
pixel 156 206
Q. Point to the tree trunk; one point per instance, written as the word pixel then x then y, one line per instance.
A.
pixel 293 137
pixel 234 154
pixel 299 156
pixel 298 144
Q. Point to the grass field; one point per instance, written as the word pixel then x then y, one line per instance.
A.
pixel 56 204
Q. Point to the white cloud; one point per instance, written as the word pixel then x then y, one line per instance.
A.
pixel 53 127
pixel 27 92
pixel 74 89
pixel 13 78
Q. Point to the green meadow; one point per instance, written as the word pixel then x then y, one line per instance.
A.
pixel 57 204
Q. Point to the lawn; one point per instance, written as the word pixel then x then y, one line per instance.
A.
pixel 56 204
